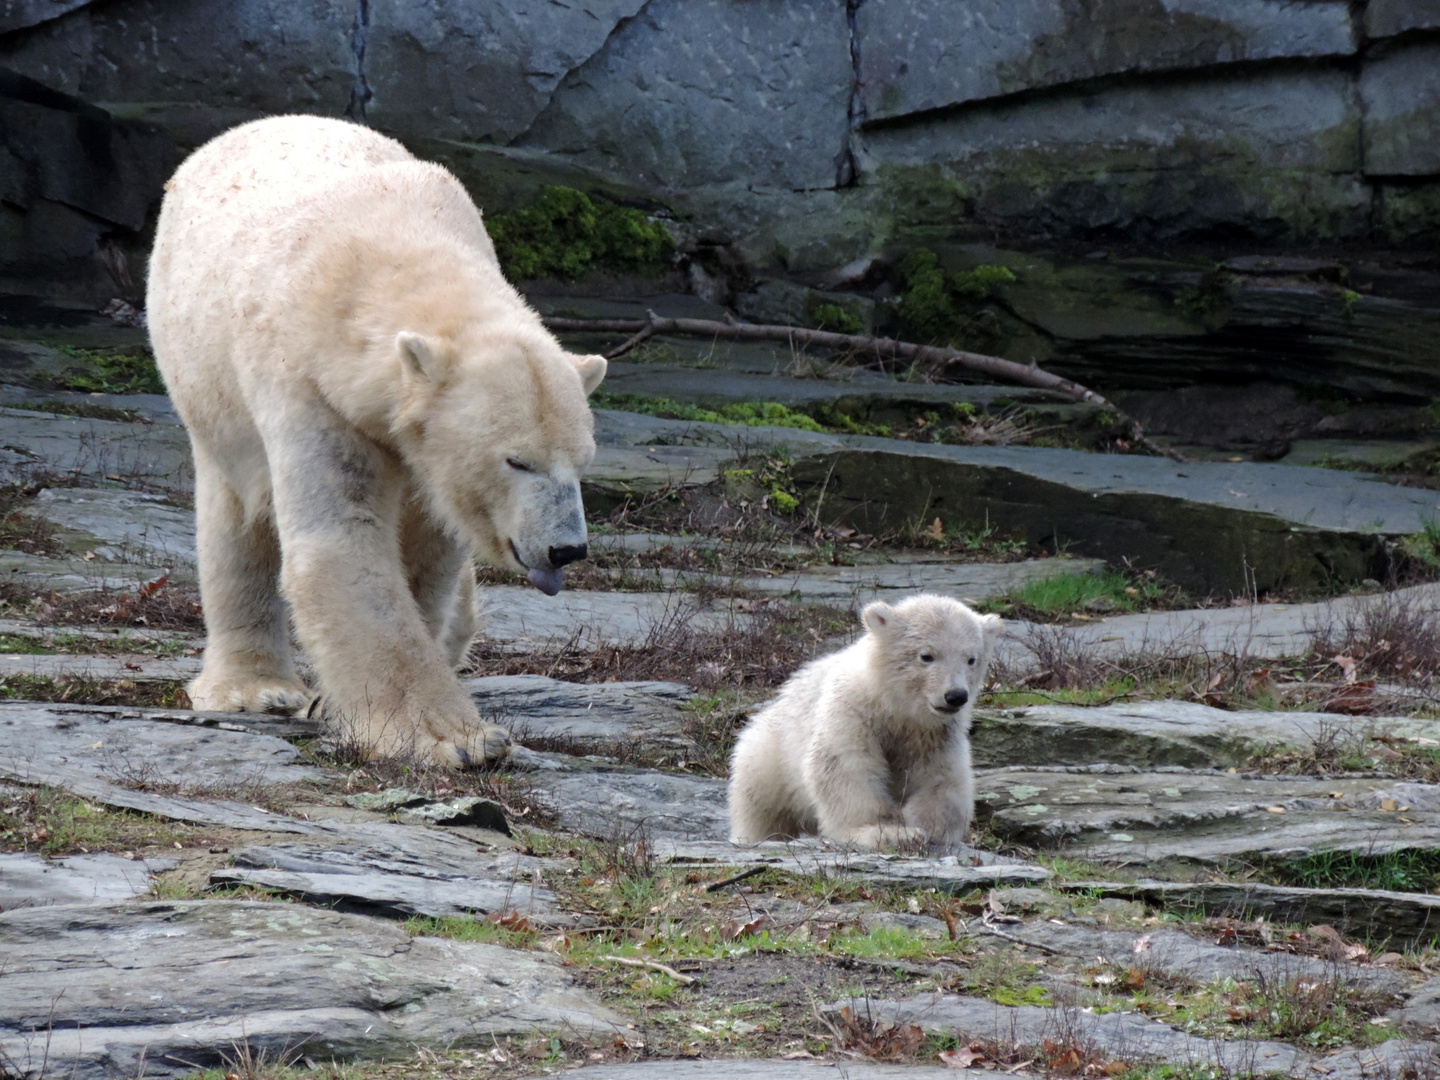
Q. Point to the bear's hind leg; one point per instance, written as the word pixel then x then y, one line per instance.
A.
pixel 248 666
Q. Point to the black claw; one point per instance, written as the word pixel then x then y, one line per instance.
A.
pixel 463 755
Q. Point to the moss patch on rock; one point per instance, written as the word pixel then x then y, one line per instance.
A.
pixel 933 305
pixel 564 234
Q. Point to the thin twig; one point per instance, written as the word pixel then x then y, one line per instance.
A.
pixel 938 357
pixel 1021 941
pixel 683 980
pixel 716 886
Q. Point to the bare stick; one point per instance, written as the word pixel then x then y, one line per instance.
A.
pixel 937 357
pixel 1021 941
pixel 683 980
pixel 716 886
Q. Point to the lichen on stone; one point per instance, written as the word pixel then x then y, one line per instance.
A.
pixel 565 233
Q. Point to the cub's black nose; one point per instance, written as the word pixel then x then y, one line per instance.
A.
pixel 956 698
pixel 564 556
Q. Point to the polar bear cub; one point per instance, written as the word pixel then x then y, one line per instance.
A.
pixel 371 406
pixel 870 745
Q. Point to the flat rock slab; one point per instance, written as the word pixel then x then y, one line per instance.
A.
pixel 525 619
pixel 591 718
pixel 98 450
pixel 1128 1037
pixel 766 1069
pixel 1268 631
pixel 1148 734
pixel 949 873
pixel 123 759
pixel 137 667
pixel 713 387
pixel 1390 917
pixel 400 871
pixel 1421 1013
pixel 129 525
pixel 176 983
pixel 1205 525
pixel 1173 952
pixel 633 803
pixel 1193 818
pixel 856 586
pixel 32 881
pixel 72 573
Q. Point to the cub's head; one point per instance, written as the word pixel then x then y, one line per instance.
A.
pixel 499 430
pixel 932 652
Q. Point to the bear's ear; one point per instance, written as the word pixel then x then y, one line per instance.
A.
pixel 991 628
pixel 879 618
pixel 592 370
pixel 420 356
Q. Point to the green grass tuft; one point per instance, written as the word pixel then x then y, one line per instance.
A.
pixel 113 371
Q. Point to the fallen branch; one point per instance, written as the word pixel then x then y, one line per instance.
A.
pixel 938 357
pixel 666 969
pixel 716 886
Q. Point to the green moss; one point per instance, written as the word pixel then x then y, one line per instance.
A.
pixel 783 501
pixel 836 319
pixel 927 311
pixel 935 305
pixel 565 233
pixel 979 282
pixel 113 371
pixel 749 413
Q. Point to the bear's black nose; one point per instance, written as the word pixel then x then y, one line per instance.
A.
pixel 564 556
pixel 956 698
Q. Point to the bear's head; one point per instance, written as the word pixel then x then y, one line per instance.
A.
pixel 932 653
pixel 499 431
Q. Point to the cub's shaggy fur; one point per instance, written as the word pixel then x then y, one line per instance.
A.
pixel 370 405
pixel 870 745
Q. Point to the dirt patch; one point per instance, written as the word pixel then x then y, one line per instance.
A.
pixel 757 1005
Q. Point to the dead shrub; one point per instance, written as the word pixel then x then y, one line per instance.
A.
pixel 760 645
pixel 1393 637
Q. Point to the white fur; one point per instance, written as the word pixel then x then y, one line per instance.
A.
pixel 861 746
pixel 370 405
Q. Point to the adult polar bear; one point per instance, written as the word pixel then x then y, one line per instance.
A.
pixel 370 404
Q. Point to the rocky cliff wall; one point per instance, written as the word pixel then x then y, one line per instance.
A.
pixel 803 132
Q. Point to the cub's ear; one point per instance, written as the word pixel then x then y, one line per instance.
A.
pixel 420 357
pixel 879 618
pixel 592 370
pixel 991 629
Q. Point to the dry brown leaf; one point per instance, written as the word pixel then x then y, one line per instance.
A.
pixel 962 1057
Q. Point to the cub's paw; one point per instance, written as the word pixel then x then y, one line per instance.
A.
pixel 253 695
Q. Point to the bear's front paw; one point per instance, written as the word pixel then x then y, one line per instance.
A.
pixel 456 744
pixel 255 695
pixel 478 744
pixel 876 836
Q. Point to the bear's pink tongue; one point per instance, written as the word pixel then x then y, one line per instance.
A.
pixel 547 581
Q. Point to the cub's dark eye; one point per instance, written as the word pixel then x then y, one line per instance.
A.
pixel 926 658
pixel 516 463
pixel 972 661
